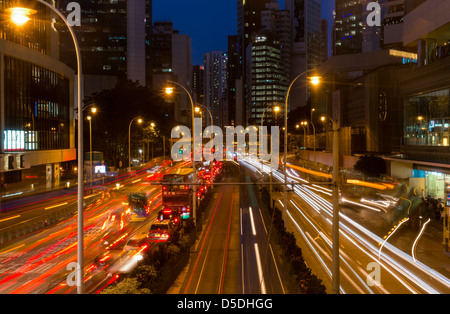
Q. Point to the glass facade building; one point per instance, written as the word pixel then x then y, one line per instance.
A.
pixel 427 119
pixel 36 107
pixel 269 81
pixel 37 132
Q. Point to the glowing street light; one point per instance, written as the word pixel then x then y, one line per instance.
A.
pixel 139 121
pixel 20 16
pixel 314 80
pixel 169 90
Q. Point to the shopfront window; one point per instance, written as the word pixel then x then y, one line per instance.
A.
pixel 436 183
pixel 427 119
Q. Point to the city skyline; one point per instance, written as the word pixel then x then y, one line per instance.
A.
pixel 203 38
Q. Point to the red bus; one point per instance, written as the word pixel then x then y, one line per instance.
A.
pixel 176 192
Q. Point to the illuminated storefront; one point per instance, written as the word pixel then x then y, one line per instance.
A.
pixel 436 183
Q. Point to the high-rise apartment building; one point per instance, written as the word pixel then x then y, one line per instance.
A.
pixel 215 63
pixel 234 79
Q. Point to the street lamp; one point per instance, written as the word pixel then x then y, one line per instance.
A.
pixel 129 141
pixel 316 81
pixel 314 136
pixel 304 133
pixel 169 91
pixel 90 141
pixel 19 16
pixel 335 232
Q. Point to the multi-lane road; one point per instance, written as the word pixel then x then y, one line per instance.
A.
pixel 369 264
pixel 232 254
pixel 38 262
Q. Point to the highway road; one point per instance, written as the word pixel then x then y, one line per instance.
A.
pixel 369 263
pixel 37 263
pixel 232 255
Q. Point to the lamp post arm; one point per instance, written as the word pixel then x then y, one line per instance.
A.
pixel 194 196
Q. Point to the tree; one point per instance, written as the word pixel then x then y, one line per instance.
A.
pixel 371 166
pixel 126 286
pixel 116 108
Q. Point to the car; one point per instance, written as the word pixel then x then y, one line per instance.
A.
pixel 171 215
pixel 135 243
pixel 160 231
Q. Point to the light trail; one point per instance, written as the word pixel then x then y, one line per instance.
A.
pixel 395 268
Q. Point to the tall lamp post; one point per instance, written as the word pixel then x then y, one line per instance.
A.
pixel 315 81
pixel 198 110
pixel 129 141
pixel 20 16
pixel 304 132
pixel 314 137
pixel 335 232
pixel 169 91
pixel 93 111
pixel 90 149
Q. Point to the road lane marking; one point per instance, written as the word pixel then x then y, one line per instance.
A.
pixel 17 247
pixel 260 272
pixel 10 218
pixel 59 205
pixel 252 221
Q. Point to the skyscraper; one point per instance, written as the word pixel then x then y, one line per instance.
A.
pixel 307 52
pixel 267 79
pixel 351 32
pixel 234 79
pixel 215 63
pixel 249 24
pixel 171 60
pixel 112 39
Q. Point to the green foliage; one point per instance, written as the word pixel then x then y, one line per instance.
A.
pixel 117 108
pixel 307 282
pixel 371 165
pixel 126 286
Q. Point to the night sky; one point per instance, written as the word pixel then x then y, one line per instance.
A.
pixel 209 22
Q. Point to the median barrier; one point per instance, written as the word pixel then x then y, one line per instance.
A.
pixel 29 226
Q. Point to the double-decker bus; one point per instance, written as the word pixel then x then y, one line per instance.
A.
pixel 176 192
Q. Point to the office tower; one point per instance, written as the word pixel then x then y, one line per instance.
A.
pixel 267 81
pixel 278 22
pixel 37 132
pixel 215 63
pixel 307 46
pixel 136 41
pixel 171 61
pixel 112 39
pixel 351 32
pixel 182 71
pixel 324 41
pixel 249 24
pixel 249 18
